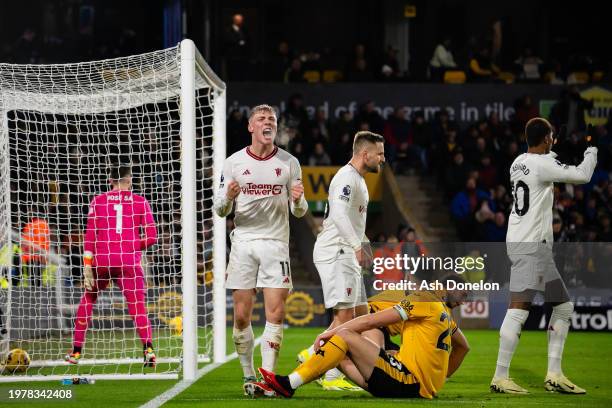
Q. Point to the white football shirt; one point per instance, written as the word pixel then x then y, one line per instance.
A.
pixel 532 177
pixel 262 206
pixel 345 215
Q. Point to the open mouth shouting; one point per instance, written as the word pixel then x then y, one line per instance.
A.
pixel 268 132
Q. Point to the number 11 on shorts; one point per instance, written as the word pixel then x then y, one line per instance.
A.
pixel 285 266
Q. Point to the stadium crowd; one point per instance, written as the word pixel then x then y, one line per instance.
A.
pixel 470 165
pixel 481 59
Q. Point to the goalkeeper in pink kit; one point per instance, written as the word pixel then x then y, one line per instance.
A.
pixel 113 248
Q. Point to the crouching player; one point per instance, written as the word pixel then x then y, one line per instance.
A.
pixel 432 349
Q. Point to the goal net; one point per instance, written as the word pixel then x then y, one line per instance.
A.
pixel 61 127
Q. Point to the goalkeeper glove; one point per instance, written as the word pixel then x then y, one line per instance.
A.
pixel 88 278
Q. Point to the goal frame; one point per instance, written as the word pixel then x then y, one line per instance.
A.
pixel 191 63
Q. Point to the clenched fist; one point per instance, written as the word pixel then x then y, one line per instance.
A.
pixel 233 189
pixel 297 191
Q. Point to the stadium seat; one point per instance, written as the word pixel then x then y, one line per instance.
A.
pixel 597 76
pixel 454 77
pixel 332 75
pixel 548 76
pixel 312 76
pixel 507 77
pixel 578 77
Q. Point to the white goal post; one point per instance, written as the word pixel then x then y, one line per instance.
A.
pixel 61 127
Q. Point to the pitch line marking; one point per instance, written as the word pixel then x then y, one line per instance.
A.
pixel 184 384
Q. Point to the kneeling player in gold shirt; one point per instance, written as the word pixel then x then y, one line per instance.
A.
pixel 431 350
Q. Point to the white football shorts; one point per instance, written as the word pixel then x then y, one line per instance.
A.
pixel 262 263
pixel 533 271
pixel 342 281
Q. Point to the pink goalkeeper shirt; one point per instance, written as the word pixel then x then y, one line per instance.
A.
pixel 115 223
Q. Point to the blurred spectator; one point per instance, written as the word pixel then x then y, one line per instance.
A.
pixel 390 249
pixel 496 41
pixel 380 238
pixel 322 124
pixel 319 156
pixel 296 147
pixel 237 134
pixel 295 115
pixel 165 267
pixel 482 68
pixel 360 72
pixel 557 75
pixel 368 114
pixel 442 60
pixel 559 234
pixel 389 70
pixel 345 123
pixel 569 110
pixel 311 61
pixel 524 110
pixel 456 174
pixel 413 245
pixel 358 69
pixel 35 245
pixel 27 47
pixel 280 62
pixel 420 134
pixel 605 231
pixel 495 230
pixel 342 149
pixel 396 132
pixel 464 206
pixel 528 65
pixel 294 73
pixel 502 199
pixel 487 172
pixel 315 136
pixel 467 52
pixel 236 49
pixel 496 131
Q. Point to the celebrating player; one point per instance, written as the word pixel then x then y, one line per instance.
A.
pixel 529 243
pixel 113 248
pixel 338 253
pixel 418 369
pixel 261 179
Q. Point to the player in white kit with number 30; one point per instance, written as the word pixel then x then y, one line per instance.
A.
pixel 529 244
pixel 264 182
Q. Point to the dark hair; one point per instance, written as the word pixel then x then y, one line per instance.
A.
pixel 451 276
pixel 536 130
pixel 117 172
pixel 362 137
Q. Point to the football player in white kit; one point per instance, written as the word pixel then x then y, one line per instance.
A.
pixel 338 253
pixel 529 244
pixel 261 182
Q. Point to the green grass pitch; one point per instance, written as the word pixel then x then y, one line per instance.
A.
pixel 586 361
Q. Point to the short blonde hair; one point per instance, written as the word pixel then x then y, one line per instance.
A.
pixel 364 137
pixel 261 108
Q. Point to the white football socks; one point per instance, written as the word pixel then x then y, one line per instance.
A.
pixel 244 340
pixel 295 380
pixel 558 326
pixel 271 340
pixel 509 335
